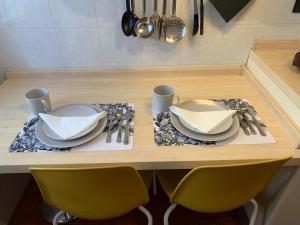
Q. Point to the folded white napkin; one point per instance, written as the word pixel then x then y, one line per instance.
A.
pixel 205 122
pixel 68 127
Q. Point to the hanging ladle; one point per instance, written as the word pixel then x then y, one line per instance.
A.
pixel 144 28
pixel 128 20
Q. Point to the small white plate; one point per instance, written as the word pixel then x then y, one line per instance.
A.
pixel 70 110
pixel 207 105
pixel 46 140
pixel 204 106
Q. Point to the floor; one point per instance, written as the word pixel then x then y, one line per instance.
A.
pixel 28 213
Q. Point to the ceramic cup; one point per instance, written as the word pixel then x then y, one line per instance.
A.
pixel 163 97
pixel 38 101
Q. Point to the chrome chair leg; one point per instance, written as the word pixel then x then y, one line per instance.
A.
pixel 254 212
pixel 57 215
pixel 147 213
pixel 168 212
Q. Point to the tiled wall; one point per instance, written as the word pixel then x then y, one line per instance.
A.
pixel 38 34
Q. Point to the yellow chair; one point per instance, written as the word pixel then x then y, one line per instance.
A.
pixel 94 193
pixel 213 189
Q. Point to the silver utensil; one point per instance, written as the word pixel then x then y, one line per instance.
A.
pixel 242 124
pixel 112 122
pixel 126 135
pixel 119 116
pixel 246 107
pixel 155 18
pixel 245 118
pixel 144 28
pixel 162 18
pixel 174 27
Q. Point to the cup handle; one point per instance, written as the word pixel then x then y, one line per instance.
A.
pixel 177 99
pixel 46 106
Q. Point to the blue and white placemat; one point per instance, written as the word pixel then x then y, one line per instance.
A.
pixel 165 134
pixel 26 140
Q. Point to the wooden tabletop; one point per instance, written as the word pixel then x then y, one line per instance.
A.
pixel 135 86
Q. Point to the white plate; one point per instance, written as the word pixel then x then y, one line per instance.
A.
pixel 204 106
pixel 71 110
pixel 194 105
pixel 43 138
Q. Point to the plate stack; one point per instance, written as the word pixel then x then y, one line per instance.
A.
pixel 49 137
pixel 225 129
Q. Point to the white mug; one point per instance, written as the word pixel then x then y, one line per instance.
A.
pixel 163 97
pixel 38 101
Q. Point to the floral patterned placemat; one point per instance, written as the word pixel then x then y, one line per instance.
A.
pixel 165 134
pixel 26 140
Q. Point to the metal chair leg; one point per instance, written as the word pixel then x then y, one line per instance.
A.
pixel 168 212
pixel 154 183
pixel 57 215
pixel 254 212
pixel 147 213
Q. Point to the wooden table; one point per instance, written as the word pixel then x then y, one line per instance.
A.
pixel 135 86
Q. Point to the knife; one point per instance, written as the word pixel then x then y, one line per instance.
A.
pixel 196 19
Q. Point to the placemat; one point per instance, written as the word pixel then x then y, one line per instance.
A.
pixel 26 140
pixel 165 134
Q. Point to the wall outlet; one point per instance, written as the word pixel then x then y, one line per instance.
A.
pixel 297 7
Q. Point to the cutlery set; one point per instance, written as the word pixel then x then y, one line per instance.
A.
pixel 171 28
pixel 247 117
pixel 119 121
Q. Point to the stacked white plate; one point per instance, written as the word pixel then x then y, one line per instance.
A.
pixel 48 137
pixel 229 128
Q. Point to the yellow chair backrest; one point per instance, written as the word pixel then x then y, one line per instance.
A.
pixel 221 188
pixel 92 193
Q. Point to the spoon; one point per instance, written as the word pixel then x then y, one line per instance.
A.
pixel 174 27
pixel 128 20
pixel 144 28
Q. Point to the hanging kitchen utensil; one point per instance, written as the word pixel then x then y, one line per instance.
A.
pixel 196 19
pixel 174 27
pixel 201 17
pixel 136 18
pixel 155 18
pixel 297 7
pixel 144 28
pixel 163 18
pixel 229 8
pixel 128 21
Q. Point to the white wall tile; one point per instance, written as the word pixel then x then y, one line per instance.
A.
pixel 256 12
pixel 10 55
pixel 282 12
pixel 283 31
pixel 159 53
pixel 110 13
pixel 80 47
pixel 201 50
pixel 4 23
pixel 118 50
pixel 29 13
pixel 237 42
pixel 74 13
pixel 39 47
